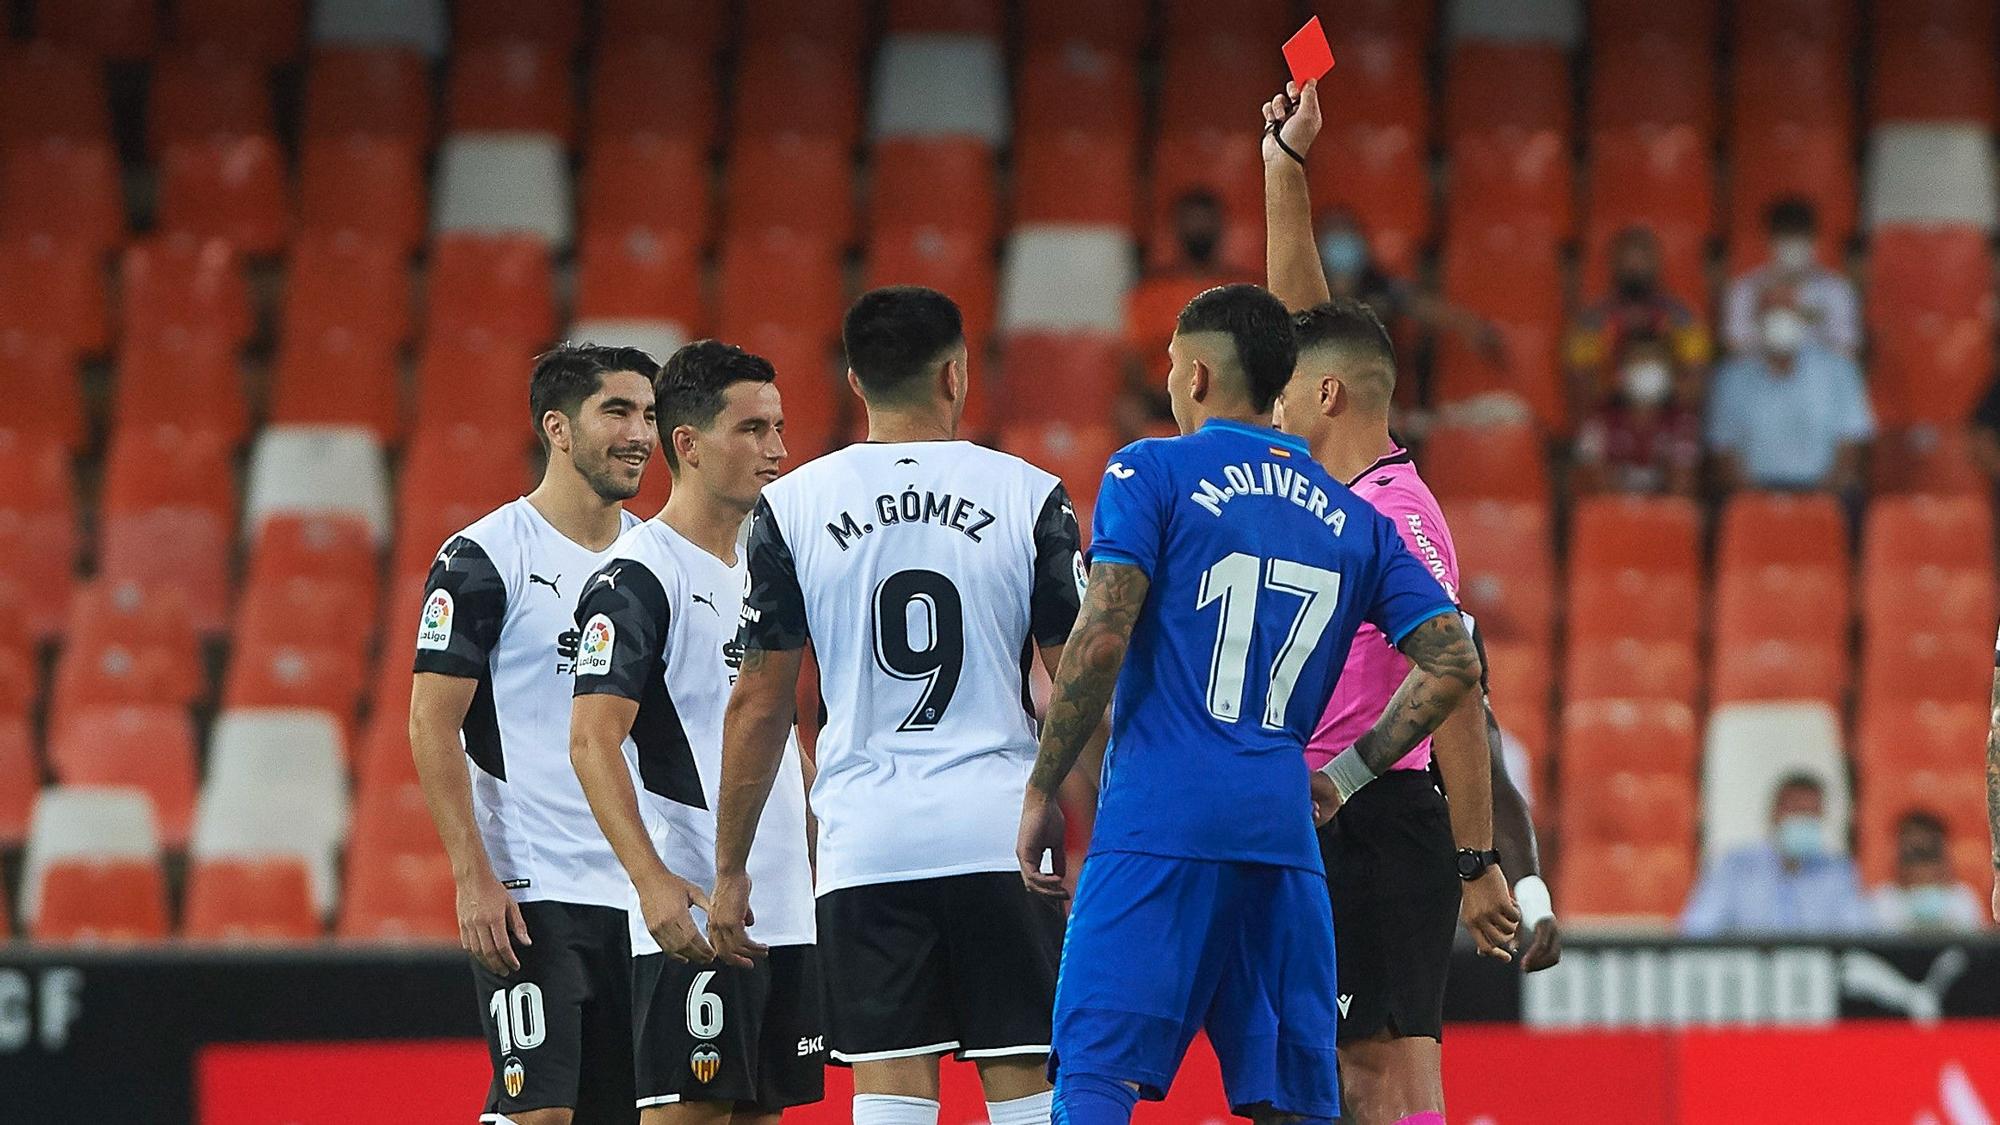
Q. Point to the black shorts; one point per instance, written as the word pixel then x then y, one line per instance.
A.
pixel 713 1033
pixel 560 1029
pixel 960 963
pixel 1391 870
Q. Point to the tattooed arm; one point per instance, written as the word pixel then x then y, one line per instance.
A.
pixel 1993 783
pixel 1445 667
pixel 1082 693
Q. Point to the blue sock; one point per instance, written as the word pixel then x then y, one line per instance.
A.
pixel 1092 1099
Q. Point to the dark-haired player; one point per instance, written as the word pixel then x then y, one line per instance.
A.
pixel 541 898
pixel 926 571
pixel 1228 575
pixel 716 1043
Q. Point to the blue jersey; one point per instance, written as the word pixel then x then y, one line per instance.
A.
pixel 1262 567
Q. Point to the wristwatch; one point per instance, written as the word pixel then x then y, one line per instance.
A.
pixel 1472 863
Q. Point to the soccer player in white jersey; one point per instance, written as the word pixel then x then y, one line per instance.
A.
pixel 717 1043
pixel 926 572
pixel 541 897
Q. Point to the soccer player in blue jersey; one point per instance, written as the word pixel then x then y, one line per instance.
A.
pixel 1228 575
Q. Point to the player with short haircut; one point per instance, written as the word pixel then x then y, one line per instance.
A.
pixel 926 572
pixel 541 898
pixel 716 1043
pixel 1403 865
pixel 1229 573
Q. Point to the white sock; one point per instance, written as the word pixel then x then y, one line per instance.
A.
pixel 1031 1110
pixel 894 1109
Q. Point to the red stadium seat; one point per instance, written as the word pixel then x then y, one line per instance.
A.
pixel 839 24
pixel 395 820
pixel 1506 462
pixel 1228 165
pixel 1642 807
pixel 1657 79
pixel 797 182
pixel 949 183
pixel 372 186
pixel 1380 173
pixel 406 898
pixel 1955 796
pixel 1771 670
pixel 126 614
pixel 1930 320
pixel 230 187
pixel 646 182
pixel 818 81
pixel 1267 20
pixel 263 31
pixel 1927 459
pixel 48 93
pixel 779 277
pixel 180 379
pixel 1659 535
pixel 268 674
pixel 1761 528
pixel 1662 178
pixel 1970 18
pixel 1904 533
pixel 639 275
pixel 186 550
pixel 957 17
pixel 1663 671
pixel 1626 882
pixel 69 190
pixel 161 465
pixel 697 23
pixel 85 901
pixel 349 282
pixel 1060 377
pixel 38 532
pixel 1512 276
pixel 1933 74
pixel 1499 85
pixel 1500 536
pixel 1629 602
pixel 195 97
pixel 511 87
pixel 337 378
pixel 265 900
pixel 20 682
pixel 1897 737
pixel 148 748
pixel 336 613
pixel 1379 84
pixel 1118 26
pixel 1912 667
pixel 49 287
pixel 111 673
pixel 954 262
pixel 117 30
pixel 1629 734
pixel 1415 20
pixel 1076 176
pixel 1813 162
pixel 379 92
pixel 179 282
pixel 452 475
pixel 1075 86
pixel 628 99
pixel 1076 453
pixel 1506 177
pixel 499 284
pixel 1693 20
pixel 1833 22
pixel 553 24
pixel 384 755
pixel 1925 599
pixel 20 779
pixel 1205 77
pixel 1780 602
pixel 1520 678
pixel 313 546
pixel 817 400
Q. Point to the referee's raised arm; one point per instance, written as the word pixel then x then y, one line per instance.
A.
pixel 1291 122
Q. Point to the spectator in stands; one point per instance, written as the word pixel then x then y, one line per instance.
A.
pixel 1825 298
pixel 1641 439
pixel 1638 307
pixel 1153 304
pixel 1793 883
pixel 1924 896
pixel 1789 415
pixel 1352 272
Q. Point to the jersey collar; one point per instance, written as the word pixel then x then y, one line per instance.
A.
pixel 1396 456
pixel 1261 433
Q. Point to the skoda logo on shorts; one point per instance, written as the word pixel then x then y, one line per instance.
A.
pixel 514 1077
pixel 705 1062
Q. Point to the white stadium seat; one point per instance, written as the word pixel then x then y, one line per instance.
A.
pixel 1931 174
pixel 504 183
pixel 1750 748
pixel 277 785
pixel 1065 279
pixel 938 86
pixel 419 25
pixel 1517 21
pixel 317 470
pixel 84 822
pixel 657 338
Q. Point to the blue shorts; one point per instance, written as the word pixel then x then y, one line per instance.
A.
pixel 1159 948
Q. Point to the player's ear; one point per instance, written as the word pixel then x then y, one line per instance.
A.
pixel 1198 381
pixel 951 380
pixel 683 439
pixel 555 427
pixel 1333 397
pixel 854 384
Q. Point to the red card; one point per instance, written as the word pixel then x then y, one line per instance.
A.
pixel 1308 52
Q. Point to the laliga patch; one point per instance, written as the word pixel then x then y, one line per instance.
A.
pixel 435 632
pixel 593 657
pixel 514 1077
pixel 705 1063
pixel 1082 574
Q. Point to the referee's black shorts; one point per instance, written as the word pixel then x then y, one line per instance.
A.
pixel 1391 870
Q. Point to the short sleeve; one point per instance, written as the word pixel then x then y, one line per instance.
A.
pixel 1057 592
pixel 1857 417
pixel 621 622
pixel 465 601
pixel 1129 524
pixel 1407 595
pixel 774 609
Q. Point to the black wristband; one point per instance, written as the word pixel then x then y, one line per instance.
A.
pixel 1279 137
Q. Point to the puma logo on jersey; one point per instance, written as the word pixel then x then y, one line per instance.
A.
pixel 906 460
pixel 1118 469
pixel 609 577
pixel 538 580
pixel 700 600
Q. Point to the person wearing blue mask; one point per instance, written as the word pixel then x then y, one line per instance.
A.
pixel 1796 882
pixel 1351 271
pixel 1925 897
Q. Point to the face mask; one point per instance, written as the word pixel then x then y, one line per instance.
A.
pixel 1792 255
pixel 1800 837
pixel 1647 383
pixel 1199 247
pixel 1783 330
pixel 1635 287
pixel 1344 253
pixel 1928 903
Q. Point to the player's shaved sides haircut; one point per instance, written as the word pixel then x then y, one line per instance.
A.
pixel 569 373
pixel 1266 346
pixel 1347 333
pixel 692 382
pixel 896 336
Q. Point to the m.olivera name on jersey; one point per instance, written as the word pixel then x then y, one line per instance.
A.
pixel 941 509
